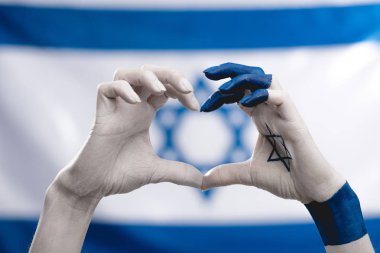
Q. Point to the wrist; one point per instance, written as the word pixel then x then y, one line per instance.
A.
pixel 58 190
pixel 64 218
pixel 339 219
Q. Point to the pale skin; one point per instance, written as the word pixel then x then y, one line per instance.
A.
pixel 119 158
pixel 301 184
pixel 311 177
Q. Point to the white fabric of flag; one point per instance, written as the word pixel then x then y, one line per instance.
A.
pixel 48 92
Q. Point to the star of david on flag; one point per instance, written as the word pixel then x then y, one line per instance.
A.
pixel 53 54
pixel 231 124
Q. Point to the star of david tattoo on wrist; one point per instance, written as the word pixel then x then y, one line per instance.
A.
pixel 279 152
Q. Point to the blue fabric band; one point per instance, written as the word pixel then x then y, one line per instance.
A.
pixel 339 219
pixel 111 29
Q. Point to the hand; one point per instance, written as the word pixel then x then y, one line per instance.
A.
pixel 118 156
pixel 285 161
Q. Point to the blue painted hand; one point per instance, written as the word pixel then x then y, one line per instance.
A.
pixel 286 161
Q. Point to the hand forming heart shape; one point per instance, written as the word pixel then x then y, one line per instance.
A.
pixel 118 156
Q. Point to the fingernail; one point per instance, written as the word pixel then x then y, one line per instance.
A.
pixel 136 98
pixel 208 70
pixel 244 100
pixel 205 106
pixel 186 85
pixel 160 86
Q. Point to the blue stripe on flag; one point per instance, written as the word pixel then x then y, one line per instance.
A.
pixel 185 29
pixel 16 235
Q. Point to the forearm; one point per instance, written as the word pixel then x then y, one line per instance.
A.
pixel 63 222
pixel 362 245
pixel 340 222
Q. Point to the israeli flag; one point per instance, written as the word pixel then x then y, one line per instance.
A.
pixel 53 54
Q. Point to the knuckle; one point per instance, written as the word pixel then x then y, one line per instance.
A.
pixel 175 74
pixel 118 73
pixel 258 69
pixel 101 86
pixel 275 82
pixel 119 85
pixel 283 94
pixel 228 64
pixel 148 67
pixel 147 75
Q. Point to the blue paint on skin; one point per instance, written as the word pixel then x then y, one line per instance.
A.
pixel 255 98
pixel 339 219
pixel 230 70
pixel 242 78
pixel 246 82
pixel 217 99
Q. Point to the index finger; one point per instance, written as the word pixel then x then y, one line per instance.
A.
pixel 246 82
pixel 231 70
pixel 177 86
pixel 171 76
pixel 186 99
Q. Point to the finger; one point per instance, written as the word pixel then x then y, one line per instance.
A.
pixel 177 86
pixel 217 99
pixel 257 97
pixel 189 101
pixel 177 173
pixel 121 89
pixel 231 70
pixel 173 77
pixel 170 91
pixel 186 99
pixel 157 101
pixel 273 97
pixel 276 97
pixel 246 82
pixel 227 174
pixel 141 77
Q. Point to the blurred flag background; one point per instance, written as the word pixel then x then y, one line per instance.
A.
pixel 54 53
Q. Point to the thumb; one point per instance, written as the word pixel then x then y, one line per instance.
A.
pixel 227 174
pixel 177 173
